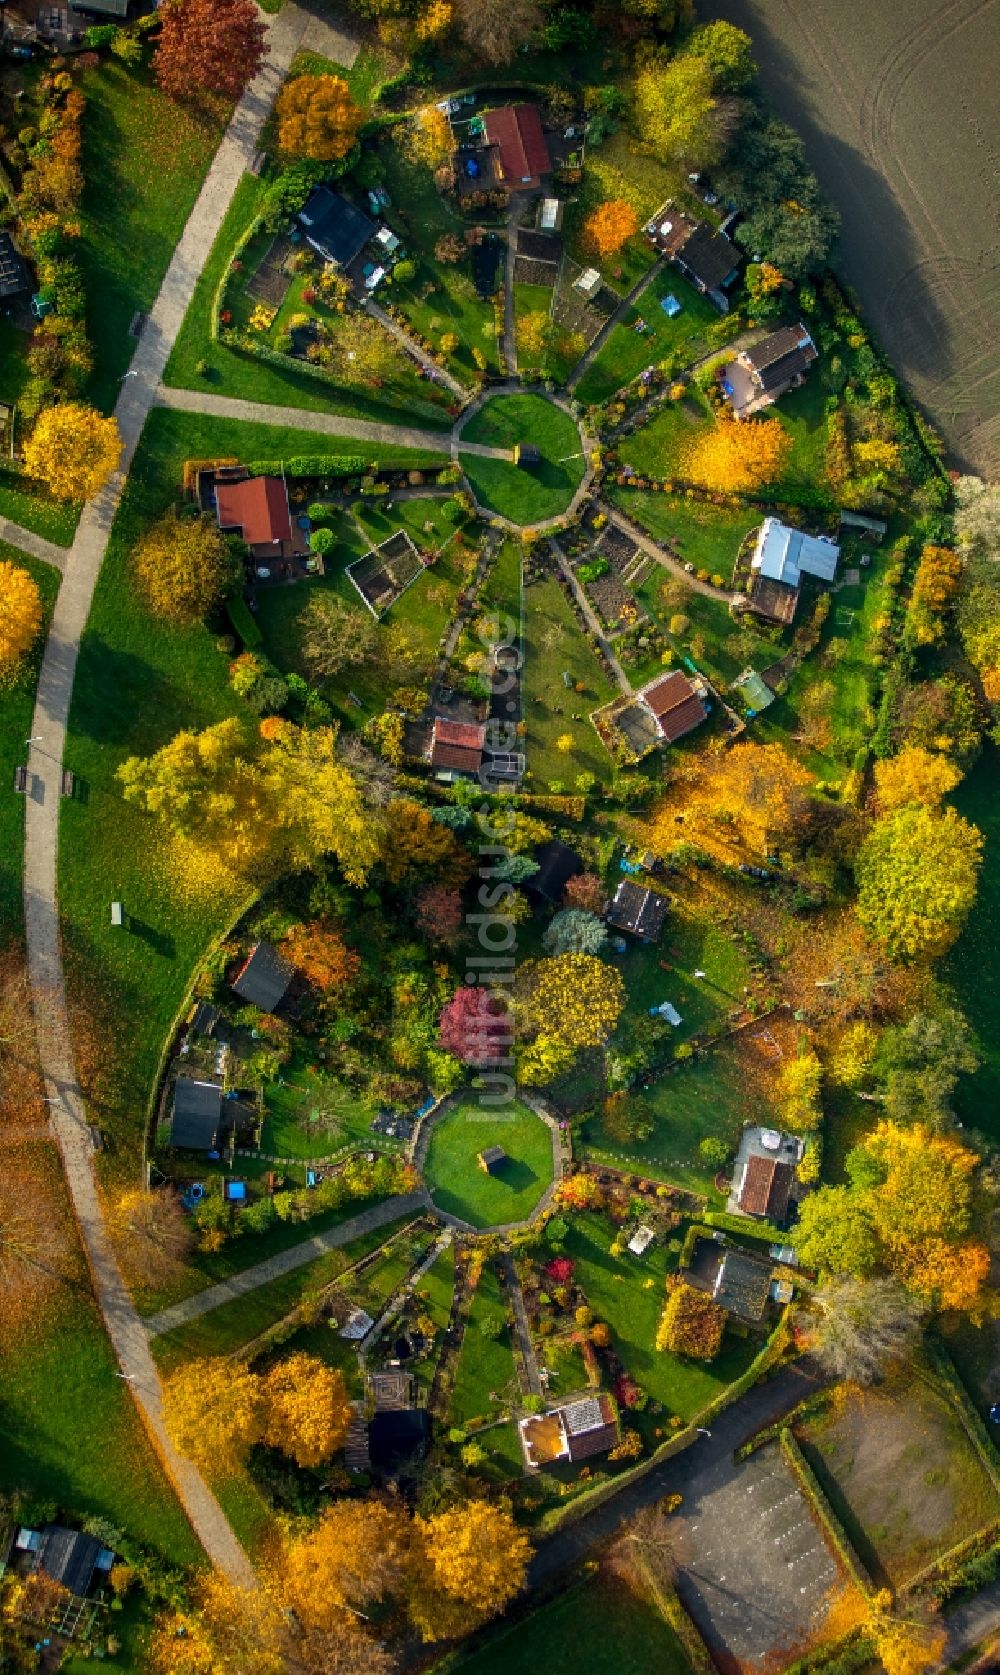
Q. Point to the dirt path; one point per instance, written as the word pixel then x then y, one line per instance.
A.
pixel 439 374
pixel 55 689
pixel 531 1377
pixel 894 103
pixel 591 618
pixel 666 559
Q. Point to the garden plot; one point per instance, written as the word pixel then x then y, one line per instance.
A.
pixel 384 573
pixel 647 336
pixel 756 1574
pixel 900 1473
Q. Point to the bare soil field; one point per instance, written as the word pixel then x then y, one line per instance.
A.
pixel 896 101
pixel 900 1474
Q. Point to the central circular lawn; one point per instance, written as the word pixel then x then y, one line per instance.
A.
pixel 525 495
pixel 456 1181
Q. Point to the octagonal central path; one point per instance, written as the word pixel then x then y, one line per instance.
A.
pixel 525 495
pixel 461 1187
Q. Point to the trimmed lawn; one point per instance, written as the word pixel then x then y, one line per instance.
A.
pixel 486 1364
pixel 435 1295
pixel 684 338
pixel 666 972
pixel 617 169
pixel 425 608
pixel 660 448
pixel 28 504
pixel 600 1627
pixel 226 1329
pixel 802 413
pixel 706 1096
pixel 17 703
pixel 531 495
pixel 144 159
pixel 554 642
pixel 298 1122
pixel 70 1436
pixel 227 371
pixel 900 1474
pixel 500 597
pixel 706 536
pixel 134 690
pixel 460 1186
pixel 441 297
pixel 978 1097
pixel 628 1292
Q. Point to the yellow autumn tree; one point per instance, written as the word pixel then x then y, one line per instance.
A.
pixel 317 118
pixel 798 1092
pixel 308 1412
pixel 905 1645
pixel 945 1276
pixel 914 776
pixel 152 1231
pixel 184 567
pixel 214 1411
pixel 473 1559
pixel 573 999
pixel 20 616
pixel 355 1555
pixel 73 450
pixel 428 138
pixel 748 800
pixel 737 456
pixel 434 22
pixel 917 872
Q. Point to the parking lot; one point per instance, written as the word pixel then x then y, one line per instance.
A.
pixel 756 1573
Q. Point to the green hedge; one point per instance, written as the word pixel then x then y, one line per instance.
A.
pixel 747 1226
pixel 243 623
pixel 671 1609
pixel 970 1564
pixel 830 1524
pixel 313 465
pixel 971 1422
pixel 853 1653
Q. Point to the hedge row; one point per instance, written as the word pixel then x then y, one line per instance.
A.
pixel 853 1653
pixel 970 1564
pixel 813 1406
pixel 668 1603
pixel 969 1417
pixel 820 1507
pixel 749 1227
pixel 313 465
pixel 243 622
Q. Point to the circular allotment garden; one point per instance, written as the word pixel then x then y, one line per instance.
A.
pixel 539 488
pixel 467 1179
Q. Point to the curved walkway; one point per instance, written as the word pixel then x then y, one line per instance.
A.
pixel 286 1262
pixel 16 536
pixel 302 418
pixel 55 689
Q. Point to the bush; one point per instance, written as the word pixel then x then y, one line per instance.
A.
pixel 679 623
pixel 321 540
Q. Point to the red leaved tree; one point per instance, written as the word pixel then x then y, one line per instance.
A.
pixel 214 46
pixel 475 1026
pixel 439 913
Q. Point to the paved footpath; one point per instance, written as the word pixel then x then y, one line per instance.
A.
pixel 55 689
pixel 34 544
pixel 302 418
pixel 286 1262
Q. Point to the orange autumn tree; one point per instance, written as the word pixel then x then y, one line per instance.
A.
pixel 214 1412
pixel 608 227
pixel 20 616
pixel 692 1324
pixel 914 776
pixel 470 1561
pixel 321 955
pixel 748 800
pixel 737 456
pixel 317 118
pixel 353 1557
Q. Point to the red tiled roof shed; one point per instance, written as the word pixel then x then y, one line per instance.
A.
pixel 516 131
pixel 258 506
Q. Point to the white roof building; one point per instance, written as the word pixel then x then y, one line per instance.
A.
pixel 641 1240
pixel 785 555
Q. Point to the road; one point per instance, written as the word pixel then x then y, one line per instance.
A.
pixel 897 106
pixel 82 566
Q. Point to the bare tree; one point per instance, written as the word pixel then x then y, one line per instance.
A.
pixel 862 1326
pixel 494 29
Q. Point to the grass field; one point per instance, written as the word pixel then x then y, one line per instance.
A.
pixel 706 1096
pixel 628 1293
pixel 707 536
pixel 618 169
pixel 197 362
pixel 144 159
pixel 227 1328
pixel 530 495
pixel 425 608
pixel 17 702
pixel 660 448
pixel 628 351
pixel 484 1377
pixel 134 691
pixel 461 1187
pixel 600 1627
pixel 900 1474
pixel 554 642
